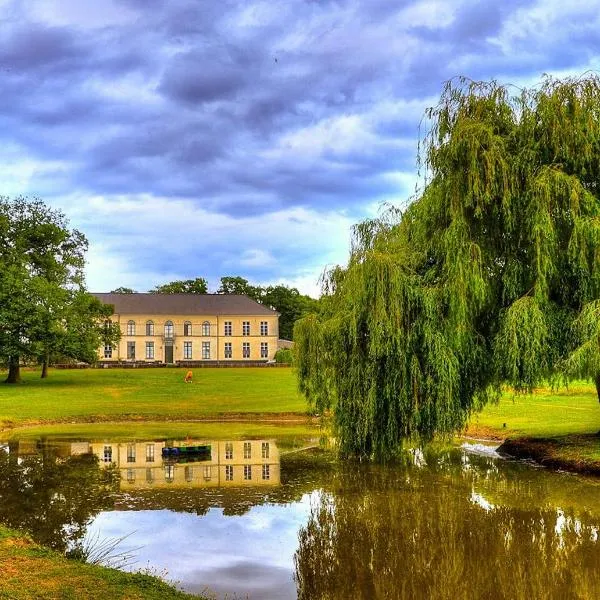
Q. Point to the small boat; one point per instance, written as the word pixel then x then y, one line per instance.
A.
pixel 179 452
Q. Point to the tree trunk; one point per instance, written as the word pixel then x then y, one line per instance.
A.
pixel 597 382
pixel 45 368
pixel 14 370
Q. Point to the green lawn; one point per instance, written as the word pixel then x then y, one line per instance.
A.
pixel 555 427
pixel 105 394
pixel 545 413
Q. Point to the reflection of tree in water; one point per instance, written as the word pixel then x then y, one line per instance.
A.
pixel 52 498
pixel 426 533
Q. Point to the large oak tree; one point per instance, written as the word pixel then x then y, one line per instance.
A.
pixel 490 277
pixel 44 309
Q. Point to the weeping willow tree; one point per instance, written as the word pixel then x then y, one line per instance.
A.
pixel 488 278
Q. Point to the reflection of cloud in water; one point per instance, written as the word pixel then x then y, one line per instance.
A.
pixel 481 501
pixel 248 554
pixel 251 580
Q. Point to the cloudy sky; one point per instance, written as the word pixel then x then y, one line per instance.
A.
pixel 207 138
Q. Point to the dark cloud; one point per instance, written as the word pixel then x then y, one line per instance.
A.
pixel 239 107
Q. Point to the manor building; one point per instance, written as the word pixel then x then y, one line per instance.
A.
pixel 188 329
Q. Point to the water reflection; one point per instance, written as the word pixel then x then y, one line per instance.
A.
pixel 444 524
pixel 190 463
pixel 459 527
pixel 50 495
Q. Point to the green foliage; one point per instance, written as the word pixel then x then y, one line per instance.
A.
pixel 44 308
pixel 239 285
pixel 284 356
pixel 478 283
pixel 123 290
pixel 187 286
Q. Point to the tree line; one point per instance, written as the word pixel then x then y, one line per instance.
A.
pixel 490 277
pixel 288 301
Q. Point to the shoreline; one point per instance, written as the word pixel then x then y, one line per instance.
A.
pixel 288 418
pixel 576 453
pixel 559 454
pixel 573 453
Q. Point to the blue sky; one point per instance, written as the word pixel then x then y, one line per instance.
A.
pixel 199 138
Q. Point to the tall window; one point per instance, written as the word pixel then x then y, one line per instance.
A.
pixel 227 330
pixel 205 350
pixel 189 473
pixel 264 350
pixel 130 452
pixel 169 329
pixel 187 350
pixel 228 352
pixel 247 450
pixel 149 475
pixel 207 474
pixel 107 351
pixel 206 328
pixel 107 455
pixel 245 327
pixel 130 475
pixel 149 452
pixel 149 328
pixel 265 449
pixel 228 451
pixel 187 328
pixel 246 350
pixel 109 325
pixel 266 472
pixel 130 327
pixel 149 349
pixel 131 350
pixel 247 472
pixel 228 472
pixel 169 473
pixel 264 328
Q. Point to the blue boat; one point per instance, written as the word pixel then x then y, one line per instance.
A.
pixel 187 452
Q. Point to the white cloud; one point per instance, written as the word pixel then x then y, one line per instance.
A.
pixel 85 15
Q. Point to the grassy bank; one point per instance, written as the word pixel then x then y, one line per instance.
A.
pixel 28 570
pixel 150 394
pixel 558 428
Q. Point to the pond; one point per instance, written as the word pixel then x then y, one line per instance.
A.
pixel 257 519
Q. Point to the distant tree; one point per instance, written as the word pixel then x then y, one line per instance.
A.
pixel 123 290
pixel 187 286
pixel 290 303
pixel 41 277
pixel 79 334
pixel 241 286
pixel 485 280
pixel 42 286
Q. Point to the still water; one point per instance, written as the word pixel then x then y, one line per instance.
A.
pixel 256 519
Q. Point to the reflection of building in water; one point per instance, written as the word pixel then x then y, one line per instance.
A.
pixel 212 464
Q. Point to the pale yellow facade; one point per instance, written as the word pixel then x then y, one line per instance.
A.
pixel 181 338
pixel 230 464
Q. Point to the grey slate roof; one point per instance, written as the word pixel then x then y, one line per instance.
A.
pixel 184 304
